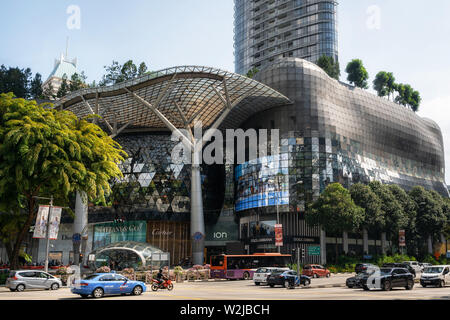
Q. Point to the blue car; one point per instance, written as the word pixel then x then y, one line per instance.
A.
pixel 100 284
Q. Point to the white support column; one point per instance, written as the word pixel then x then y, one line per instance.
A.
pixel 366 241
pixel 345 242
pixel 430 245
pixel 80 224
pixel 197 217
pixel 383 243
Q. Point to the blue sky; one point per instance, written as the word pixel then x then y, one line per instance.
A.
pixel 410 38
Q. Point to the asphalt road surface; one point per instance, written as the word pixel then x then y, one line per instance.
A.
pixel 246 290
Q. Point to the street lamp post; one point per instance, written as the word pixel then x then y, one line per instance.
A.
pixel 47 243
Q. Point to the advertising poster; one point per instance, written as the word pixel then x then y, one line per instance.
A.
pixel 402 238
pixel 55 220
pixel 278 235
pixel 40 228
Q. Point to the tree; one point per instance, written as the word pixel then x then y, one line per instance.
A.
pixel 15 80
pixel 357 74
pixel 46 152
pixel 395 217
pixel 431 218
pixel 252 72
pixel 335 211
pixel 364 197
pixel 77 82
pixel 36 87
pixel 410 212
pixel 117 73
pixel 142 69
pixel 48 92
pixel 384 84
pixel 330 66
pixel 407 96
pixel 64 88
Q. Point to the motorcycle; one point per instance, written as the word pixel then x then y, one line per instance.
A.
pixel 166 284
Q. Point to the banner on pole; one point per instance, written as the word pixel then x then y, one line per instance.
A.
pixel 40 228
pixel 402 238
pixel 55 220
pixel 278 235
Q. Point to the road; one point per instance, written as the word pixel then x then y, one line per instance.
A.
pixel 246 290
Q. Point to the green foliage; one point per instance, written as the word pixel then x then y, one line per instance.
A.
pixel 431 218
pixel 407 96
pixel 15 80
pixel 335 210
pixel 384 83
pixel 47 152
pixel 252 72
pixel 116 73
pixel 64 88
pixel 36 87
pixel 357 74
pixel 364 197
pixel 330 66
pixel 77 82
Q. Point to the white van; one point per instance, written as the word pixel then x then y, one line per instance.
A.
pixel 435 276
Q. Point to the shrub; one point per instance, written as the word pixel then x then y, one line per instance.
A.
pixel 104 269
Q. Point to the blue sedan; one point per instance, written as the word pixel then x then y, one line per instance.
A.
pixel 101 284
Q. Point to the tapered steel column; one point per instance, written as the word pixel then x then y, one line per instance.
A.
pixel 323 247
pixel 366 241
pixel 383 243
pixel 345 242
pixel 197 218
pixel 80 225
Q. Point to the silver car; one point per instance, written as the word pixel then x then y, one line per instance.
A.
pixel 30 279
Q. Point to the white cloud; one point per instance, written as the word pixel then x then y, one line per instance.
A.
pixel 439 111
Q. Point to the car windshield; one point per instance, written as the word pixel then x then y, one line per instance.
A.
pixel 385 271
pixel 433 270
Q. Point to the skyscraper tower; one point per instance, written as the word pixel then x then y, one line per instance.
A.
pixel 266 30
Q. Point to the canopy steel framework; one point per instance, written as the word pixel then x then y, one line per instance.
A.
pixel 173 99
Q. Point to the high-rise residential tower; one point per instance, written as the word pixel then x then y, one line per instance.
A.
pixel 266 30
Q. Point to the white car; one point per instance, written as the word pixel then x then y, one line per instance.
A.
pixel 435 276
pixel 425 265
pixel 260 276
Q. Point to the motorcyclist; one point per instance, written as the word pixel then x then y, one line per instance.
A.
pixel 160 277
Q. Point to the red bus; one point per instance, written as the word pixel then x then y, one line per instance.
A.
pixel 244 266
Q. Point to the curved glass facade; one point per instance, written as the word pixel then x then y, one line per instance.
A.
pixel 267 30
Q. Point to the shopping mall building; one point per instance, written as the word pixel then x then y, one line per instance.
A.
pixel 328 132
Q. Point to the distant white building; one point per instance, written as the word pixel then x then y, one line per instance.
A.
pixel 63 66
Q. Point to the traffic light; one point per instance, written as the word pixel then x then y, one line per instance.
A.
pixel 303 253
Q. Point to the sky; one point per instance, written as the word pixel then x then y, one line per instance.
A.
pixel 407 37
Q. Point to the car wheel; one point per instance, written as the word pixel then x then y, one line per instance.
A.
pixel 387 286
pixel 410 285
pixel 246 276
pixel 366 288
pixel 350 287
pixel 315 276
pixel 307 283
pixel 137 291
pixel 20 288
pixel 424 285
pixel 287 285
pixel 98 293
pixel 54 286
pixel 271 285
pixel 442 284
pixel 328 275
pixel 257 283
